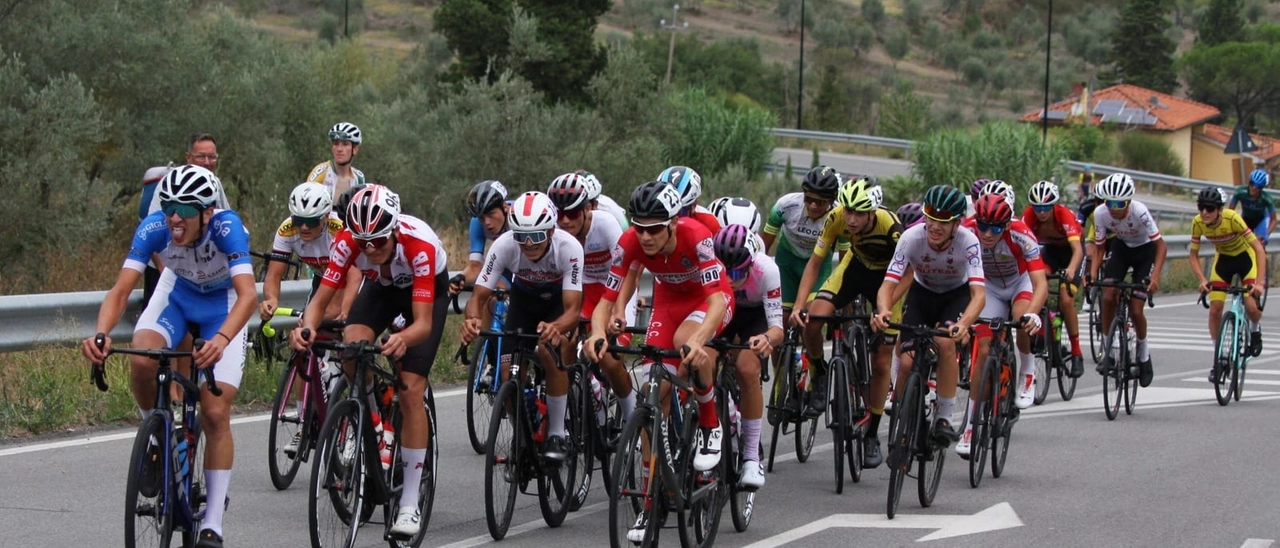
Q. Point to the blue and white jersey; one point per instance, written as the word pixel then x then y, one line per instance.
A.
pixel 208 266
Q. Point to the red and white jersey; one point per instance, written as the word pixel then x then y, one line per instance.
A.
pixel 1063 229
pixel 1135 229
pixel 704 216
pixel 762 287
pixel 939 271
pixel 1015 254
pixel 691 270
pixel 598 248
pixel 419 257
pixel 315 253
pixel 559 269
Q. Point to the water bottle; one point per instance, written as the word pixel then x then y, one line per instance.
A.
pixel 385 443
pixel 597 395
pixel 1057 328
pixel 183 461
pixel 735 418
pixel 382 441
pixel 803 360
pixel 535 405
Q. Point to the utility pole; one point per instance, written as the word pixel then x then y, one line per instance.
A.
pixel 800 96
pixel 1048 46
pixel 673 27
pixel 346 16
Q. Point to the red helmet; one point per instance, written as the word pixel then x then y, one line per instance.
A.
pixel 992 209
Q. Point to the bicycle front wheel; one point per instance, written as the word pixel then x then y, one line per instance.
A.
pixel 148 499
pixel 581 430
pixel 286 429
pixel 903 428
pixel 631 494
pixel 1224 358
pixel 838 416
pixel 1114 379
pixel 502 459
pixel 426 484
pixel 1043 371
pixel 1003 413
pixel 1066 383
pixel 337 479
pixel 1242 363
pixel 1095 331
pixel 705 493
pixel 988 392
pixel 480 396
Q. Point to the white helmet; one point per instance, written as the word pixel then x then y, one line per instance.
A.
pixel 1001 188
pixel 532 212
pixel 569 191
pixel 373 212
pixel 345 131
pixel 594 188
pixel 1117 186
pixel 310 200
pixel 1044 193
pixel 191 185
pixel 738 211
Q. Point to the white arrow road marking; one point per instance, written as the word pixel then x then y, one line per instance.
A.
pixel 1257 543
pixel 995 518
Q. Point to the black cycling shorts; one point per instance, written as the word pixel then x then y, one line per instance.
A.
pixel 377 305
pixel 925 307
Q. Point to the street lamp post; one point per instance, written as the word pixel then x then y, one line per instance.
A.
pixel 800 95
pixel 673 27
pixel 1048 46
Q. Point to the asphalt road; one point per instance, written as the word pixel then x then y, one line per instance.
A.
pixel 1181 471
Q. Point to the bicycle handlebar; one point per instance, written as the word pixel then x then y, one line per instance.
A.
pixel 1140 286
pixel 276 257
pixel 1001 324
pixel 1230 290
pixel 921 330
pixel 1061 276
pixel 354 350
pixel 499 292
pixel 835 318
pixel 97 374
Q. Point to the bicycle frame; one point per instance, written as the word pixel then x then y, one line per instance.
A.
pixel 1230 375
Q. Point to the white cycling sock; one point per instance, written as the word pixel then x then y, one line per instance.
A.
pixel 555 413
pixel 751 439
pixel 893 370
pixel 1027 362
pixel 945 407
pixel 628 404
pixel 968 424
pixel 1144 353
pixel 414 460
pixel 1255 326
pixel 216 482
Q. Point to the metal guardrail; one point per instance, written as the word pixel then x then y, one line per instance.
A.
pixel 842 137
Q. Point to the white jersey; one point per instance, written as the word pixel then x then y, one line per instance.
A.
pixel 788 219
pixel 958 264
pixel 315 253
pixel 607 205
pixel 559 269
pixel 763 287
pixel 1134 229
pixel 598 251
pixel 324 174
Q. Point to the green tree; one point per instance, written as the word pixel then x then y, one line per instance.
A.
pixel 897 45
pixel 1238 77
pixel 873 12
pixel 905 114
pixel 1141 50
pixel 1223 21
pixel 913 15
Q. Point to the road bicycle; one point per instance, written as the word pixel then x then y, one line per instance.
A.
pixel 602 410
pixel 293 433
pixel 482 367
pixel 912 437
pixel 518 425
pixel 348 479
pixel 785 408
pixel 741 500
pixel 1231 350
pixel 165 489
pixel 653 470
pixel 995 413
pixel 848 410
pixel 1051 355
pixel 1120 382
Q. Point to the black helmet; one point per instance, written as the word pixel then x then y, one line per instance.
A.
pixel 484 196
pixel 823 181
pixel 654 200
pixel 944 200
pixel 1209 196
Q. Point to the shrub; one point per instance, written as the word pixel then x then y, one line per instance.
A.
pixel 1147 153
pixel 998 150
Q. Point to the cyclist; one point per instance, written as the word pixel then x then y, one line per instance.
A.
pixel 688 183
pixel 1139 247
pixel 757 320
pixel 739 211
pixel 1087 208
pixel 975 190
pixel 1002 188
pixel 795 222
pixel 873 234
pixel 308 232
pixel 546 296
pixel 1058 231
pixel 595 195
pixel 910 214
pixel 487 204
pixel 1256 206
pixel 1086 183
pixel 947 288
pixel 404 268
pixel 1237 252
pixel 207 282
pixel 336 174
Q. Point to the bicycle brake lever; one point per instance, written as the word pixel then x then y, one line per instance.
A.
pixel 98 373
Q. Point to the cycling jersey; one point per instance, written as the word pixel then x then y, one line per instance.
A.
pixel 691 270
pixel 205 267
pixel 598 249
pixel 704 216
pixel 559 269
pixel 762 288
pixel 873 246
pixel 314 253
pixel 1063 229
pixel 1134 229
pixel 1254 210
pixel 797 233
pixel 938 271
pixel 1014 255
pixel 324 174
pixel 479 236
pixel 419 257
pixel 1230 237
pixel 607 205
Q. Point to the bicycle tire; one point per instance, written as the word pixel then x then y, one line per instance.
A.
pixel 1131 379
pixel 773 444
pixel 805 434
pixel 929 474
pixel 148 520
pixel 742 505
pixel 581 432
pixel 1044 373
pixel 1242 357
pixel 1066 383
pixel 196 495
pixel 981 435
pixel 1113 380
pixel 426 484
pixel 1225 355
pixel 558 485
pixel 502 462
pixel 479 399
pixel 854 451
pixel 1003 412
pixel 336 484
pixel 1095 332
pixel 630 495
pixel 705 493
pixel 282 468
pixel 902 433
pixel 838 413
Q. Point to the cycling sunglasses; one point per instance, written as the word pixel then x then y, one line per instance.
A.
pixel 740 273
pixel 530 238
pixel 373 243
pixel 651 229
pixel 1042 208
pixel 572 214
pixel 1208 208
pixel 1117 204
pixel 185 211
pixel 938 215
pixel 309 222
pixel 994 229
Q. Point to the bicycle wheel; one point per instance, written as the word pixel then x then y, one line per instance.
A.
pixel 742 505
pixel 1113 381
pixel 1131 379
pixel 805 433
pixel 502 459
pixel 838 416
pixel 558 484
pixel 705 493
pixel 148 512
pixel 479 397
pixel 426 485
pixel 284 428
pixel 197 494
pixel 337 478
pixel 930 472
pixel 631 493
pixel 1242 361
pixel 1224 358
pixel 1095 331
pixel 1003 412
pixel 1043 371
pixel 853 448
pixel 981 435
pixel 902 434
pixel 581 433
pixel 1066 383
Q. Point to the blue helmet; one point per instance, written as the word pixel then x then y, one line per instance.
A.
pixel 686 181
pixel 1260 178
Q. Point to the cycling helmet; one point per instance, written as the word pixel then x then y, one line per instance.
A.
pixel 877 195
pixel 910 213
pixel 1209 196
pixel 373 212
pixel 594 188
pixel 822 181
pixel 738 211
pixel 1117 186
pixel 345 131
pixel 569 191
pixel 733 246
pixel 686 181
pixel 1260 178
pixel 944 200
pixel 718 204
pixel 992 209
pixel 855 197
pixel 999 187
pixel 654 200
pixel 484 196
pixel 975 189
pixel 1043 193
pixel 310 200
pixel 1226 194
pixel 532 212
pixel 190 185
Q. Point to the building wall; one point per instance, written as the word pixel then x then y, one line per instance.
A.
pixel 1210 163
pixel 1180 142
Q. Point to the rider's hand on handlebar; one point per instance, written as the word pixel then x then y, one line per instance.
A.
pixel 470 330
pixel 880 322
pixel 617 325
pixel 760 345
pixel 589 347
pixel 90 349
pixel 298 342
pixel 1031 323
pixel 960 332
pixel 696 357
pixel 798 316
pixel 548 334
pixel 394 346
pixel 1153 286
pixel 267 309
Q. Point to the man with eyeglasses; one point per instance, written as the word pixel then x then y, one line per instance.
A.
pixel 546 295
pixel 944 261
pixel 404 268
pixel 207 282
pixel 873 234
pixel 1139 248
pixel 336 173
pixel 1236 252
pixel 1058 231
pixel 795 222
